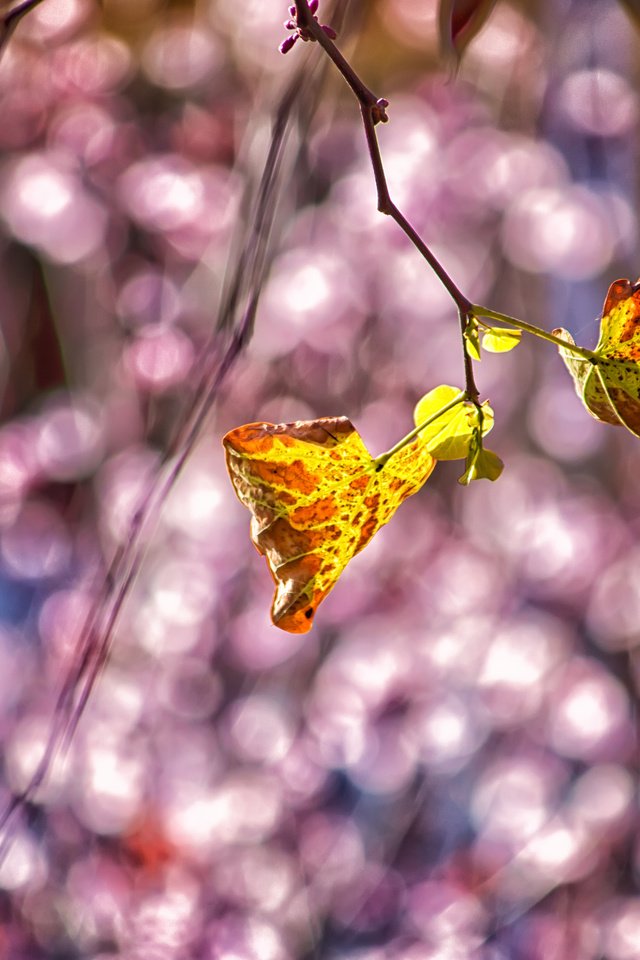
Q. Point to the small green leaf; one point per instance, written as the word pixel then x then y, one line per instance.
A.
pixel 501 339
pixel 471 335
pixel 449 436
pixel 481 464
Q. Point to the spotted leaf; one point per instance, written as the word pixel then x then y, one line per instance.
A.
pixel 316 498
pixel 609 383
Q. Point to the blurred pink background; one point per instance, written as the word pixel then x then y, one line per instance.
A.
pixel 446 768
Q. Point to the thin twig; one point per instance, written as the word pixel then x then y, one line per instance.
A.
pixel 373 111
pixel 12 19
pixel 470 381
pixel 241 296
pixel 308 23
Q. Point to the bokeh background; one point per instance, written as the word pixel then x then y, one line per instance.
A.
pixel 446 767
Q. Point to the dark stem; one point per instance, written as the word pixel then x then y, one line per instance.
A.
pixel 307 21
pixel 382 188
pixel 470 384
pixel 19 11
pixel 9 22
pixel 372 110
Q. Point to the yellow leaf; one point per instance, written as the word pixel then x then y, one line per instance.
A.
pixel 472 338
pixel 316 498
pixel 587 383
pixel 482 465
pixel 449 436
pixel 501 340
pixel 609 384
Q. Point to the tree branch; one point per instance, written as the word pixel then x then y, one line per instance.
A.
pixel 12 19
pixel 373 111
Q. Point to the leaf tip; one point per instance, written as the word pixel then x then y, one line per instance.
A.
pixel 299 620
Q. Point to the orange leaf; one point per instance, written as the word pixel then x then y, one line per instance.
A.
pixel 316 498
pixel 620 329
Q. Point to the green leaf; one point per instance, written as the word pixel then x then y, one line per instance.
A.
pixel 501 339
pixel 450 435
pixel 472 338
pixel 587 382
pixel 481 464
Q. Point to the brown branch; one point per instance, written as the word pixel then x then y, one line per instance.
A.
pixel 239 305
pixel 373 111
pixel 470 381
pixel 9 22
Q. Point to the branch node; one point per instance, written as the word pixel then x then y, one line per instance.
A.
pixel 304 22
pixel 379 111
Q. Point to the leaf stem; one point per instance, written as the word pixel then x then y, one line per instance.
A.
pixel 583 352
pixel 384 457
